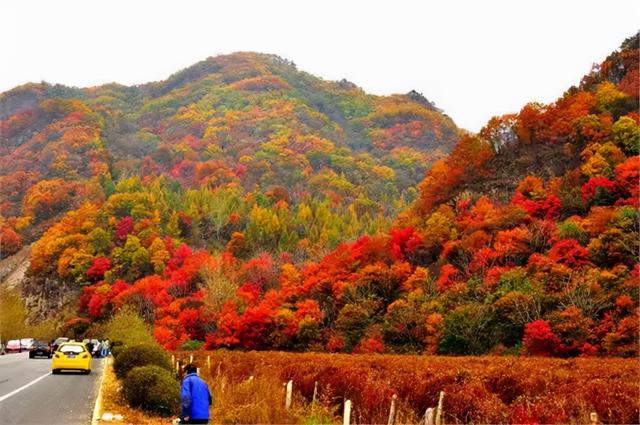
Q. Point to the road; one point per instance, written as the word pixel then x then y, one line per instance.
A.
pixel 67 398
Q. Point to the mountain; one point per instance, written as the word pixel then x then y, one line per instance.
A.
pixel 241 146
pixel 247 121
pixel 522 240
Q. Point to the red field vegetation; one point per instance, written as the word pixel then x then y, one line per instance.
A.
pixel 477 389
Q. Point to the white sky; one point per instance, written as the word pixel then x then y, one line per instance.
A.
pixel 474 59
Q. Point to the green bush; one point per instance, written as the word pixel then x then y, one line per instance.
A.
pixel 192 345
pixel 126 328
pixel 152 389
pixel 141 355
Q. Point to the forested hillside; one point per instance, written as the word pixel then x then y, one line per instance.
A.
pixel 215 202
pixel 245 133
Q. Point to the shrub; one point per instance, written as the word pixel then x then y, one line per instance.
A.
pixel 540 339
pixel 126 328
pixel 463 331
pixel 13 320
pixel 153 389
pixel 191 345
pixel 141 355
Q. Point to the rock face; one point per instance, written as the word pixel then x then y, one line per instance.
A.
pixel 44 298
pixel 13 269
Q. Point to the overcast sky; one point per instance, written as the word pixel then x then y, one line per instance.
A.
pixel 474 59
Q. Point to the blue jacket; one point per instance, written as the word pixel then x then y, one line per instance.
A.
pixel 195 397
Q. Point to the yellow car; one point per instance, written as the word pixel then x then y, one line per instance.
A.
pixel 71 356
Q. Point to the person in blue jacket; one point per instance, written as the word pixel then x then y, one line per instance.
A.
pixel 196 398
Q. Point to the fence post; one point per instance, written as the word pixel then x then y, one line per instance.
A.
pixel 190 358
pixel 173 359
pixel 439 411
pixel 208 362
pixel 346 417
pixel 315 392
pixel 287 402
pixel 392 411
pixel 178 368
pixel 593 417
pixel 428 416
pixel 198 371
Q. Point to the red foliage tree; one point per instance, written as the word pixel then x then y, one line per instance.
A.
pixel 447 277
pixel 124 227
pixel 628 178
pixel 98 268
pixel 569 252
pixel 598 187
pixel 539 339
pixel 10 242
pixel 404 243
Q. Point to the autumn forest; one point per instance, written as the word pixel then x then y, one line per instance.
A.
pixel 244 204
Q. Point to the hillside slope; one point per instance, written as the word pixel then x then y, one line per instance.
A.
pixel 242 148
pixel 523 240
pixel 246 120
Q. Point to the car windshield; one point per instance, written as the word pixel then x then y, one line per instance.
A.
pixel 13 342
pixel 69 349
pixel 60 340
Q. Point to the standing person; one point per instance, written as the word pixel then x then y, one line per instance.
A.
pixel 195 397
pixel 104 352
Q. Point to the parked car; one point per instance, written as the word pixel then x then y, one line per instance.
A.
pixel 26 343
pixel 13 346
pixel 40 349
pixel 58 342
pixel 71 356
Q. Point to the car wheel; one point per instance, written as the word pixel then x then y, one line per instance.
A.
pixel 55 371
pixel 88 371
pixel 31 356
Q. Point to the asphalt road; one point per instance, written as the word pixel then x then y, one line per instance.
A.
pixel 67 398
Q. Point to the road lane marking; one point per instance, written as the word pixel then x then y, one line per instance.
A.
pixel 14 392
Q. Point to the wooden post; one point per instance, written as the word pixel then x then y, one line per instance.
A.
pixel 315 392
pixel 178 368
pixel 250 379
pixel 173 359
pixel 392 411
pixel 287 401
pixel 198 371
pixel 439 411
pixel 593 417
pixel 190 358
pixel 208 362
pixel 346 417
pixel 428 416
